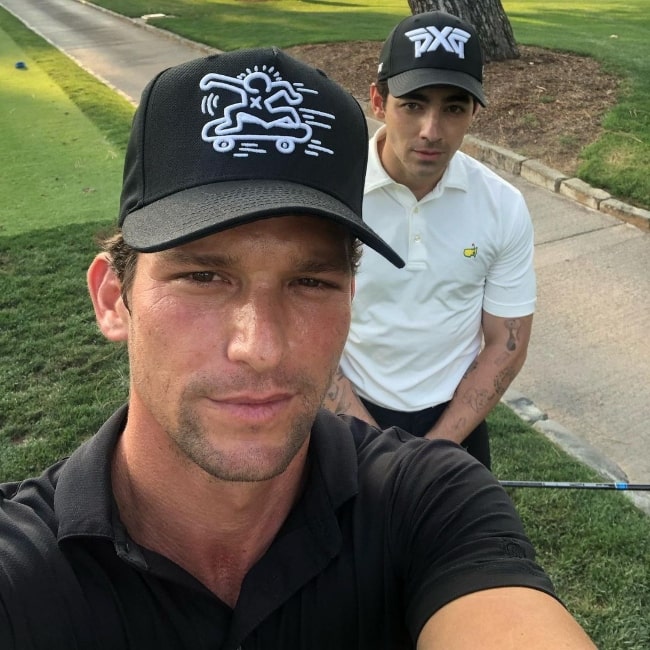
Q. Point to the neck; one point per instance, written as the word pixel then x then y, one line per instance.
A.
pixel 216 530
pixel 418 189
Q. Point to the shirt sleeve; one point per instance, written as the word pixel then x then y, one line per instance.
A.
pixel 510 286
pixel 455 531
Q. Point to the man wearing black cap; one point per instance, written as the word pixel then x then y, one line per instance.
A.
pixel 222 508
pixel 433 346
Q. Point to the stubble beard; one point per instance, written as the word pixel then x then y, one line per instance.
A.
pixel 255 463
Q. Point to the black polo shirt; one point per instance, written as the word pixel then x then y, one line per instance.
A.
pixel 388 530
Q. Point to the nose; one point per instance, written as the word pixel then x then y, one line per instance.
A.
pixel 430 125
pixel 259 334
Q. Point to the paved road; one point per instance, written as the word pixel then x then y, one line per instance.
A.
pixel 587 377
pixel 123 56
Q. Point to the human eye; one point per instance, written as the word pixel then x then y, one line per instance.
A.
pixel 320 283
pixel 201 281
pixel 458 106
pixel 456 109
pixel 312 283
pixel 201 277
pixel 410 106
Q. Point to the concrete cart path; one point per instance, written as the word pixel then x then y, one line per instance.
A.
pixel 586 382
pixel 114 49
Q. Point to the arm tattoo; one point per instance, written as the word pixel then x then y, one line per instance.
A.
pixel 336 395
pixel 476 399
pixel 503 380
pixel 512 325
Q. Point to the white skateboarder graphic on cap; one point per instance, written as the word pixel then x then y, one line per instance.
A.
pixel 266 111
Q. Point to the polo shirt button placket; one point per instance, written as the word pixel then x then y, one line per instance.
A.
pixel 417 250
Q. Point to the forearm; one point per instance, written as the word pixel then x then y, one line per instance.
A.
pixel 342 399
pixel 505 618
pixel 487 378
pixel 479 391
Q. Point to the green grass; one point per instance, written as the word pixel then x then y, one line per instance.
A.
pixel 594 543
pixel 66 133
pixel 616 34
pixel 64 168
pixel 60 379
pixel 232 24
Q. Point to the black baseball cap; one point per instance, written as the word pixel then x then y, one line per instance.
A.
pixel 432 49
pixel 234 137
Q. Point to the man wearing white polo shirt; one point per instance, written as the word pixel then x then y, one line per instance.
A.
pixel 433 346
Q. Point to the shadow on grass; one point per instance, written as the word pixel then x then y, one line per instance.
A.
pixel 60 378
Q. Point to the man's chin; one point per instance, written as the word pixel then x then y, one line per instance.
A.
pixel 250 463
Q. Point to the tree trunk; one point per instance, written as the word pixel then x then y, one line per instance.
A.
pixel 488 18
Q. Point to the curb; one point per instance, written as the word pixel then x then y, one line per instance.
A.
pixel 538 173
pixel 572 444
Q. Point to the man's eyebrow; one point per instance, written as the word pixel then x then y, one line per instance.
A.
pixel 189 258
pixel 460 96
pixel 421 97
pixel 182 257
pixel 322 266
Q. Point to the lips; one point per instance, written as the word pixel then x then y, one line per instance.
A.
pixel 253 407
pixel 256 398
pixel 429 153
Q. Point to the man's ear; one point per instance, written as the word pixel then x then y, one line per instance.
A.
pixel 376 102
pixel 106 293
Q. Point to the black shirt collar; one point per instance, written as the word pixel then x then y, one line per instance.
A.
pixel 84 503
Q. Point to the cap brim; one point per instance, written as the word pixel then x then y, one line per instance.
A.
pixel 200 211
pixel 406 82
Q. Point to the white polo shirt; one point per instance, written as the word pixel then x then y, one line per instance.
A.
pixel 468 247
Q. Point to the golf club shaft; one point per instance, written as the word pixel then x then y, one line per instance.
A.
pixel 581 486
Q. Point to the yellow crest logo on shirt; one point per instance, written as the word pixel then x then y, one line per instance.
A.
pixel 470 252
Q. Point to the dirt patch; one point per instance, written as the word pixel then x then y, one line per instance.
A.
pixel 546 104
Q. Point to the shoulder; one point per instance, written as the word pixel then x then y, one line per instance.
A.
pixel 413 468
pixel 443 519
pixel 33 568
pixel 394 465
pixel 28 526
pixel 481 173
pixel 29 505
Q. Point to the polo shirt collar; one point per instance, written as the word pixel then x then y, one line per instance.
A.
pixel 83 501
pixel 84 504
pixel 455 175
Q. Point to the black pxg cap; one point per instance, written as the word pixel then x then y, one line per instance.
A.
pixel 231 138
pixel 432 49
